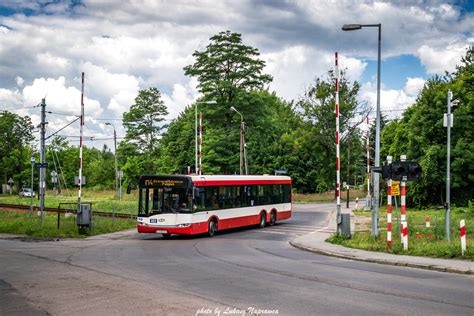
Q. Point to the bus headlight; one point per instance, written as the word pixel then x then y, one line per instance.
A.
pixel 184 225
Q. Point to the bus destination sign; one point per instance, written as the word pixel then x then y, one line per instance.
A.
pixel 158 182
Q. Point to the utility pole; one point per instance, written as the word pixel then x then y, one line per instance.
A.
pixel 243 146
pixel 42 171
pixel 116 162
pixel 245 150
pixel 448 122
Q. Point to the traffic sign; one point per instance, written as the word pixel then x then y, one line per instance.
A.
pixel 395 187
pixel 41 165
pixel 76 180
pixel 10 181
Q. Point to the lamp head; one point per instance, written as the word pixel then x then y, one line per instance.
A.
pixel 351 27
pixel 233 109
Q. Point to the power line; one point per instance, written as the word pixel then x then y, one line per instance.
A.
pixel 59 113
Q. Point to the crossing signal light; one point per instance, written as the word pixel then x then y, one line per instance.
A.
pixel 386 171
pixel 400 171
pixel 414 171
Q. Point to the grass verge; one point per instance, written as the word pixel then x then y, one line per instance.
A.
pixel 422 240
pixel 20 223
pixel 104 201
pixel 326 196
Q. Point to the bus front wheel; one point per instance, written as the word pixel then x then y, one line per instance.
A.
pixel 212 228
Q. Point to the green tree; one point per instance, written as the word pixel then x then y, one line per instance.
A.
pixel 420 135
pixel 15 151
pixel 144 124
pixel 228 72
pixel 226 67
pixel 144 121
pixel 315 146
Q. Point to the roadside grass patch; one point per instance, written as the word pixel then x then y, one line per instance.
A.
pixel 325 196
pixel 422 240
pixel 104 201
pixel 20 224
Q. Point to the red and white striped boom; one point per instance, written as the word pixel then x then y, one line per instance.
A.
pixel 338 163
pixel 79 180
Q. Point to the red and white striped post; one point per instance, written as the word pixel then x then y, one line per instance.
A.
pixel 389 209
pixel 357 202
pixel 403 209
pixel 427 222
pixel 338 165
pixel 405 235
pixel 79 180
pixel 200 144
pixel 389 215
pixel 462 229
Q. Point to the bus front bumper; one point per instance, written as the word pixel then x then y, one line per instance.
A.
pixel 195 228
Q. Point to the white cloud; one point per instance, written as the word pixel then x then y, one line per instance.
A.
pixel 413 86
pixel 392 101
pixel 437 60
pixel 126 46
pixel 182 96
pixel 19 81
pixel 10 99
pixel 58 97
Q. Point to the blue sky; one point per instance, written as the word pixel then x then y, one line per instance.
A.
pixel 126 46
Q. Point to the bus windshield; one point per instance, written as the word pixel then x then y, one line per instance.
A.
pixel 164 200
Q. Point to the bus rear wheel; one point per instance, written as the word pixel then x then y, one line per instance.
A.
pixel 272 218
pixel 212 228
pixel 263 220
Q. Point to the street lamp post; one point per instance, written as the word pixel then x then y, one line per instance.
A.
pixel 116 163
pixel 243 145
pixel 196 133
pixel 375 213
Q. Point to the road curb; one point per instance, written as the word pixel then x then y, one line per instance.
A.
pixel 381 261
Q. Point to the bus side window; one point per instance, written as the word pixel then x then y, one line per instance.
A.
pixel 155 199
pixel 287 193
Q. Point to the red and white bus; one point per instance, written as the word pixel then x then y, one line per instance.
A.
pixel 197 204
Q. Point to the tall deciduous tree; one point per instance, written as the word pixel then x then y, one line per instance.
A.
pixel 316 144
pixel 15 135
pixel 421 136
pixel 225 69
pixel 144 121
pixel 228 71
pixel 144 124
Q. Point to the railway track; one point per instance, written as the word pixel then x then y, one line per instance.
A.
pixel 64 210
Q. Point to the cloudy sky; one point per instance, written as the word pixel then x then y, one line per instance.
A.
pixel 125 46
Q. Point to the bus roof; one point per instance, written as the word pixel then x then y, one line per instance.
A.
pixel 208 180
pixel 211 180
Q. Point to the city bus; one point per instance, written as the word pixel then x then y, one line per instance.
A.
pixel 205 204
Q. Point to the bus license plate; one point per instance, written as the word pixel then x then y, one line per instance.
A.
pixel 161 232
pixel 153 220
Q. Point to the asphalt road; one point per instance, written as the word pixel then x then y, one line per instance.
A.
pixel 239 271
